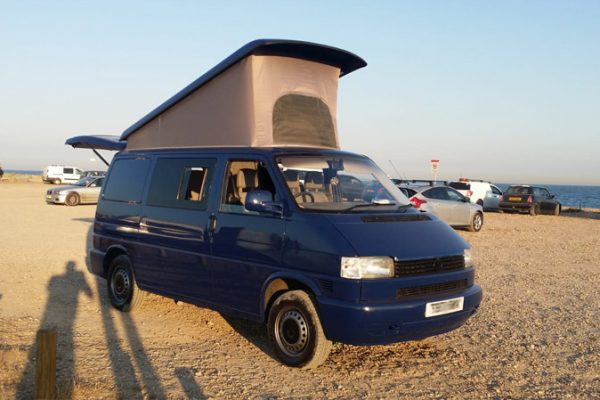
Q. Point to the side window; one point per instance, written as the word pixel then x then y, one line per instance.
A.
pixel 438 193
pixel 180 183
pixel 545 193
pixel 67 170
pixel 454 195
pixel 126 180
pixel 242 177
pixel 495 190
pixel 538 192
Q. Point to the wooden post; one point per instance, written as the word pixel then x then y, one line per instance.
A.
pixel 45 364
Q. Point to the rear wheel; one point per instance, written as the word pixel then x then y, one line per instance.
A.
pixel 72 199
pixel 56 181
pixel 476 222
pixel 534 210
pixel 295 331
pixel 123 292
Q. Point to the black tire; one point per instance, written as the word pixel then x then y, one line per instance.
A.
pixel 557 209
pixel 534 210
pixel 295 331
pixel 56 181
pixel 123 292
pixel 72 199
pixel 476 222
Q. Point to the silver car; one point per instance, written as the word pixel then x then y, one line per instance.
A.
pixel 450 206
pixel 84 191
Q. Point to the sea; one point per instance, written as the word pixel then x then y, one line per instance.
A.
pixel 567 195
pixel 570 195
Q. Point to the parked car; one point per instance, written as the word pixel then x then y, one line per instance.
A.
pixel 450 205
pixel 479 192
pixel 84 191
pixel 58 174
pixel 217 220
pixel 529 199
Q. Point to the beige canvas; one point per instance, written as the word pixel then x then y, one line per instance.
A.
pixel 236 107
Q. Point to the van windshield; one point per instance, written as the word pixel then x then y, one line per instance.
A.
pixel 339 184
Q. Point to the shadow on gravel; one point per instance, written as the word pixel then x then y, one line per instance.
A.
pixel 253 332
pixel 189 385
pixel 60 312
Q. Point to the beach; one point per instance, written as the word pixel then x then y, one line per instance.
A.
pixel 536 334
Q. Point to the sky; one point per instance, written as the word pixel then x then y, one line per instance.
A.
pixel 507 91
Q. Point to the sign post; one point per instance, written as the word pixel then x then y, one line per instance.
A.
pixel 435 168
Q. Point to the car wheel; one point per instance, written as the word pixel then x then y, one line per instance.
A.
pixel 295 331
pixel 72 199
pixel 476 222
pixel 557 209
pixel 534 210
pixel 56 181
pixel 123 292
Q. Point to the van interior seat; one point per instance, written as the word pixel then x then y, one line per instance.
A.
pixel 246 180
pixel 292 181
pixel 313 183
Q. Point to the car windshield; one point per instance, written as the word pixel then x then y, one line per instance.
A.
pixel 519 190
pixel 339 184
pixel 85 181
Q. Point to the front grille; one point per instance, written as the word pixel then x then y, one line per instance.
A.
pixel 429 266
pixel 437 288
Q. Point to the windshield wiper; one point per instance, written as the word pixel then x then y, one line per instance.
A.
pixel 371 205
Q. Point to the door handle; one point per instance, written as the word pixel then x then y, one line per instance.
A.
pixel 212 223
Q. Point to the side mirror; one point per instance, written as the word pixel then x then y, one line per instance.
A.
pixel 551 196
pixel 262 201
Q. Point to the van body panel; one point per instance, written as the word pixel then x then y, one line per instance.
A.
pixel 404 240
pixel 227 267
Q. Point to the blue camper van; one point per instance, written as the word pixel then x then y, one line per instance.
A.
pixel 243 211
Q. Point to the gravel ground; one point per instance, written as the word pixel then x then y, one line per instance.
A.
pixel 537 334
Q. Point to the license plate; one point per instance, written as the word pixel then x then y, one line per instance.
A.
pixel 444 307
pixel 514 199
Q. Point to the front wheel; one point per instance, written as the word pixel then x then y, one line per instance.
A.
pixel 557 209
pixel 476 222
pixel 123 292
pixel 295 331
pixel 72 199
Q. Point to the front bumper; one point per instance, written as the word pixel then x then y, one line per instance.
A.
pixel 363 324
pixel 55 198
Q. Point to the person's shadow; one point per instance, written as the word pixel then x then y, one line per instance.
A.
pixel 60 312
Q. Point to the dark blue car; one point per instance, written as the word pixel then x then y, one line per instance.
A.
pixel 234 195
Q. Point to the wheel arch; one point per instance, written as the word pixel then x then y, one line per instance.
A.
pixel 281 282
pixel 112 253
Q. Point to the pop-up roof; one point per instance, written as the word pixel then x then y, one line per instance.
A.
pixel 268 93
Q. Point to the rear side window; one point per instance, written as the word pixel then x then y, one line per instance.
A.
pixel 67 170
pixel 438 193
pixel 126 180
pixel 304 119
pixel 181 183
pixel 460 185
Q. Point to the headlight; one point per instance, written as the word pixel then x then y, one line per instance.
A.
pixel 367 267
pixel 468 259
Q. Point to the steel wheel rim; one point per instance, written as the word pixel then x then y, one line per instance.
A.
pixel 478 222
pixel 71 200
pixel 291 332
pixel 120 286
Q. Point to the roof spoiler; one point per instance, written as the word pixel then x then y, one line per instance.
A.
pixel 97 142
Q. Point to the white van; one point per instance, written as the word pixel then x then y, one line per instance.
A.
pixel 59 174
pixel 479 192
